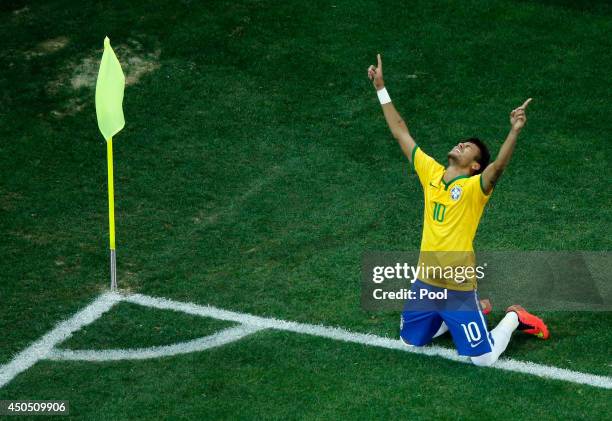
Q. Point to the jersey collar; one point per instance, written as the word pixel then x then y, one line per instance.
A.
pixel 446 185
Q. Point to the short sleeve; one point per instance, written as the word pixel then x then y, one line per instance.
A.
pixel 479 195
pixel 424 165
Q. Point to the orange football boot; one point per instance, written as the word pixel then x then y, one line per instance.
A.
pixel 529 323
pixel 485 306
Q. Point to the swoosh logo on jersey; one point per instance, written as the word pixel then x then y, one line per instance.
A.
pixel 432 185
pixel 476 344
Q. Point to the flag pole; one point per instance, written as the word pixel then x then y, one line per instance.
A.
pixel 109 113
pixel 111 214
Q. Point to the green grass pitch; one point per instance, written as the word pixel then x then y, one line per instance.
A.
pixel 254 170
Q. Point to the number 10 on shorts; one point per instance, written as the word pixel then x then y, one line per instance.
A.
pixel 472 332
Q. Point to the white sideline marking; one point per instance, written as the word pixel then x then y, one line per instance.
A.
pixel 45 346
pixel 218 339
pixel 507 364
pixel 42 347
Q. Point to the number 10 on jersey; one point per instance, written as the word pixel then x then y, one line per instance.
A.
pixel 439 211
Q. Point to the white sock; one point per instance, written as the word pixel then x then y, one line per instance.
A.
pixel 501 337
pixel 443 329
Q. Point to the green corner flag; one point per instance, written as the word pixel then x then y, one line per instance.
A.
pixel 109 112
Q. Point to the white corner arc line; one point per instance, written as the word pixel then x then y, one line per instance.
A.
pixel 45 346
pixel 220 338
pixel 507 364
pixel 42 347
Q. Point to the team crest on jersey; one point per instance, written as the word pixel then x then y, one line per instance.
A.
pixel 455 193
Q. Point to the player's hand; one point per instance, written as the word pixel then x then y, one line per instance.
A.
pixel 375 74
pixel 518 118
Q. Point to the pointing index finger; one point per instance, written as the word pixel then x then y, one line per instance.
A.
pixel 379 61
pixel 526 103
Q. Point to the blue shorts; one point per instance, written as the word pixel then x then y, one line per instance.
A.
pixel 460 310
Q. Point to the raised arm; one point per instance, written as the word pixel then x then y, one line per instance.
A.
pixel 491 174
pixel 396 124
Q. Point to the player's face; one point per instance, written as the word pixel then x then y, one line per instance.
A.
pixel 464 154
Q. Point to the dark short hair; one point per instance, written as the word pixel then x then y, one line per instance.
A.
pixel 484 157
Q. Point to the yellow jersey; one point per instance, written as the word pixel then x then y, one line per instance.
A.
pixel 451 215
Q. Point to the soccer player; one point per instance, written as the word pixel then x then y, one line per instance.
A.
pixel 455 198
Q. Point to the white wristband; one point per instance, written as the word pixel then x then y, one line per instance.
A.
pixel 383 96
